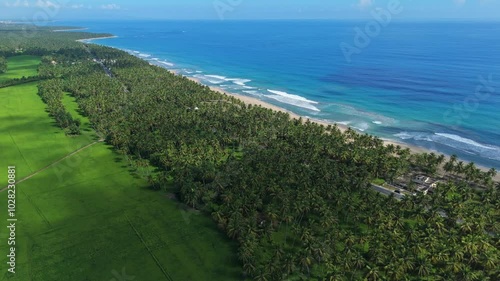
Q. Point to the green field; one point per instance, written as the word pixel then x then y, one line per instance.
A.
pixel 20 66
pixel 88 217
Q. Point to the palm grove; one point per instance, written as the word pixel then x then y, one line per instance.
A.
pixel 3 65
pixel 293 194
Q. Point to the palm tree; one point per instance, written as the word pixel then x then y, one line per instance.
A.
pixel 373 273
pixel 306 262
pixel 470 172
pixel 262 276
pixel 459 168
pixel 449 167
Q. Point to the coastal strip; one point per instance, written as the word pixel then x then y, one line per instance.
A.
pixel 69 29
pixel 87 40
pixel 341 127
pixel 257 102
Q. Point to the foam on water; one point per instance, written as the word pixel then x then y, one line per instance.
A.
pixel 217 77
pixel 167 63
pixel 233 83
pixel 213 79
pixel 465 145
pixel 361 126
pixel 295 100
pixel 255 93
pixel 464 140
pixel 239 81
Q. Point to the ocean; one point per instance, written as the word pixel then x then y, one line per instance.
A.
pixel 430 84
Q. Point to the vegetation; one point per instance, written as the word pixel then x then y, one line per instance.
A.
pixel 3 65
pixel 19 68
pixel 90 217
pixel 51 92
pixel 293 194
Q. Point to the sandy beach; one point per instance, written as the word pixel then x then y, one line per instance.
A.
pixel 342 127
pixel 70 29
pixel 96 38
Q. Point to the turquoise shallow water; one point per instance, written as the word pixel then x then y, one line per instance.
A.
pixel 435 85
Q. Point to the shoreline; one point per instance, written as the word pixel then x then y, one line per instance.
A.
pixel 341 127
pixel 71 29
pixel 95 38
pixel 255 101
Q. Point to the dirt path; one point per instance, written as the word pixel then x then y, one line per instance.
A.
pixel 55 163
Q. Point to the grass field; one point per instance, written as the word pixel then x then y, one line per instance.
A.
pixel 88 217
pixel 20 66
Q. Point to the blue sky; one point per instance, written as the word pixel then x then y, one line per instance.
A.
pixel 244 9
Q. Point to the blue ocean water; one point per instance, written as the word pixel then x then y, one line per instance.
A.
pixel 434 85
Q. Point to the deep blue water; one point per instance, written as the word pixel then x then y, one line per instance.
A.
pixel 415 82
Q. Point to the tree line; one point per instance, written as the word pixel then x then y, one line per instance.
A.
pixel 51 92
pixel 18 81
pixel 3 65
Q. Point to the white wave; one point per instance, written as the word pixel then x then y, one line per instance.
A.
pixel 414 135
pixel 295 100
pixel 454 141
pixel 295 97
pixel 363 126
pixel 144 55
pixel 350 110
pixel 217 77
pixel 255 93
pixel 239 81
pixel 377 122
pixel 464 140
pixel 213 79
pixel 167 63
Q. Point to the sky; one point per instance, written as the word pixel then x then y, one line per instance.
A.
pixel 46 10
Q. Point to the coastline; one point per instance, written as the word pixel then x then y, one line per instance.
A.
pixel 254 101
pixel 70 29
pixel 95 38
pixel 341 127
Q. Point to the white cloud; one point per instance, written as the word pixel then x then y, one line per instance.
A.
pixel 32 4
pixel 110 7
pixel 460 2
pixel 51 4
pixel 17 4
pixel 365 3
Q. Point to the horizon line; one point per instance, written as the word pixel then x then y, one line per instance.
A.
pixel 253 19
